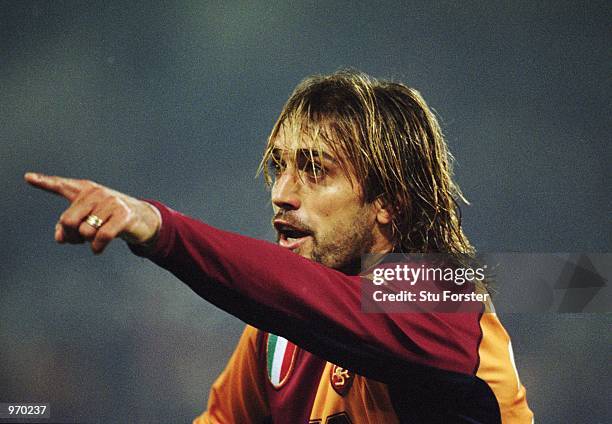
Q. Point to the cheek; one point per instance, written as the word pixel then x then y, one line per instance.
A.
pixel 341 217
pixel 329 212
pixel 334 206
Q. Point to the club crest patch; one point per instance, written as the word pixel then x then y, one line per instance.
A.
pixel 341 379
pixel 280 358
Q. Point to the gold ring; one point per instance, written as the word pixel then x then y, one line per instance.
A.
pixel 94 221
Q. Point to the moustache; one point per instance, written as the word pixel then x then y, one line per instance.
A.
pixel 292 220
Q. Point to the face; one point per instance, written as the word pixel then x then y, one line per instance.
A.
pixel 318 209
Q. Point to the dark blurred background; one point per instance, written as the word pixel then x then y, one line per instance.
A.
pixel 174 101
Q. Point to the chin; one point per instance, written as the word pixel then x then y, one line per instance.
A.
pixel 306 255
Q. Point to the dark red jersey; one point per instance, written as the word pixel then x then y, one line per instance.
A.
pixel 350 366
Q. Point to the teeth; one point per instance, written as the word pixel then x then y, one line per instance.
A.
pixel 291 239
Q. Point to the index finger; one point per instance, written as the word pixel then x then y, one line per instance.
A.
pixel 65 187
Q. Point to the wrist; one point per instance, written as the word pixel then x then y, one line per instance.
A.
pixel 155 223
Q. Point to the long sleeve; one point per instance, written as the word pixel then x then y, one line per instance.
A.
pixel 316 307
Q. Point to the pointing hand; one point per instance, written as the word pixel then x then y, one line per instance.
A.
pixel 98 214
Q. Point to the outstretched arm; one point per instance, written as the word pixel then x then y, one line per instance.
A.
pixel 269 287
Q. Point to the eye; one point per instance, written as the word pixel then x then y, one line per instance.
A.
pixel 275 166
pixel 315 170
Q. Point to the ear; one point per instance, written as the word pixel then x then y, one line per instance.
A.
pixel 383 211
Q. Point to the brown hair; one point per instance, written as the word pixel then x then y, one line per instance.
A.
pixel 391 141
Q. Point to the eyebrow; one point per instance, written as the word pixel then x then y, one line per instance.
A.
pixel 277 152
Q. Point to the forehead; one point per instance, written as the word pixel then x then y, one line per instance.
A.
pixel 295 138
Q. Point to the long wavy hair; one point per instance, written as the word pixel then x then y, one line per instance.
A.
pixel 388 138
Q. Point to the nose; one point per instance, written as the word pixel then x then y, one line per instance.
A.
pixel 285 191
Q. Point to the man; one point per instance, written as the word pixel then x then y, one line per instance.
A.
pixel 357 166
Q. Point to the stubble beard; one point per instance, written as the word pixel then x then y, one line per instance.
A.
pixel 342 250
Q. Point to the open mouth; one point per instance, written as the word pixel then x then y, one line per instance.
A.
pixel 289 236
